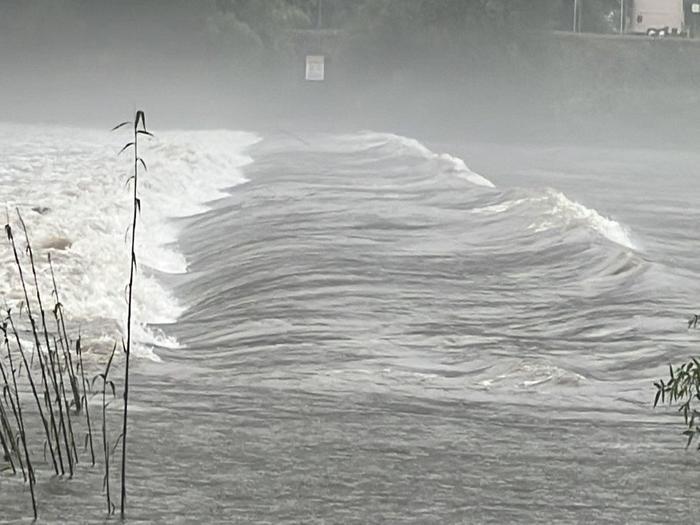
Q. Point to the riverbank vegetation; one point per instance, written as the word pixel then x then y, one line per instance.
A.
pixel 45 422
pixel 681 389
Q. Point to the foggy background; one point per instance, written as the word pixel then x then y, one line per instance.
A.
pixel 478 69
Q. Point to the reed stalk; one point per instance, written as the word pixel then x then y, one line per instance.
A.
pixel 6 437
pixel 6 420
pixel 22 431
pixel 84 400
pixel 73 448
pixel 53 373
pixel 11 239
pixel 58 314
pixel 7 455
pixel 105 436
pixel 64 343
pixel 139 128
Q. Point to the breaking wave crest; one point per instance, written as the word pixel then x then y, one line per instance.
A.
pixel 561 212
pixel 552 210
pixel 408 146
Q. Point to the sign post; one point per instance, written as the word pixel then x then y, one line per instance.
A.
pixel 622 16
pixel 315 68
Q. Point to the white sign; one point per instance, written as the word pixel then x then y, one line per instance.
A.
pixel 315 67
pixel 695 8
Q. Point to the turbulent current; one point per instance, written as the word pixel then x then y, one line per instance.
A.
pixel 359 328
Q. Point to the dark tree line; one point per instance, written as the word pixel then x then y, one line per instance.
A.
pixel 188 24
pixel 448 15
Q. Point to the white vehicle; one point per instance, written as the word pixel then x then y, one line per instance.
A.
pixel 656 17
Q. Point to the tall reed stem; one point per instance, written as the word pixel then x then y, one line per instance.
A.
pixel 139 129
pixel 58 314
pixel 10 434
pixel 45 383
pixel 105 438
pixel 22 431
pixel 73 449
pixel 6 440
pixel 54 374
pixel 83 399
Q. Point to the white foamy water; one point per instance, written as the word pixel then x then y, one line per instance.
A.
pixel 561 212
pixel 525 374
pixel 70 187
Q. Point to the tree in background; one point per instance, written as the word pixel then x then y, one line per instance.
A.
pixel 248 27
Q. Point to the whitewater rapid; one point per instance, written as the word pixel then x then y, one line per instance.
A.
pixel 71 189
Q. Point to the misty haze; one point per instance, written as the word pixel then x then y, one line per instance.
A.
pixel 349 261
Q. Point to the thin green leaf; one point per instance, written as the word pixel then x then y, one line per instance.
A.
pixel 121 125
pixel 129 145
pixel 140 116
